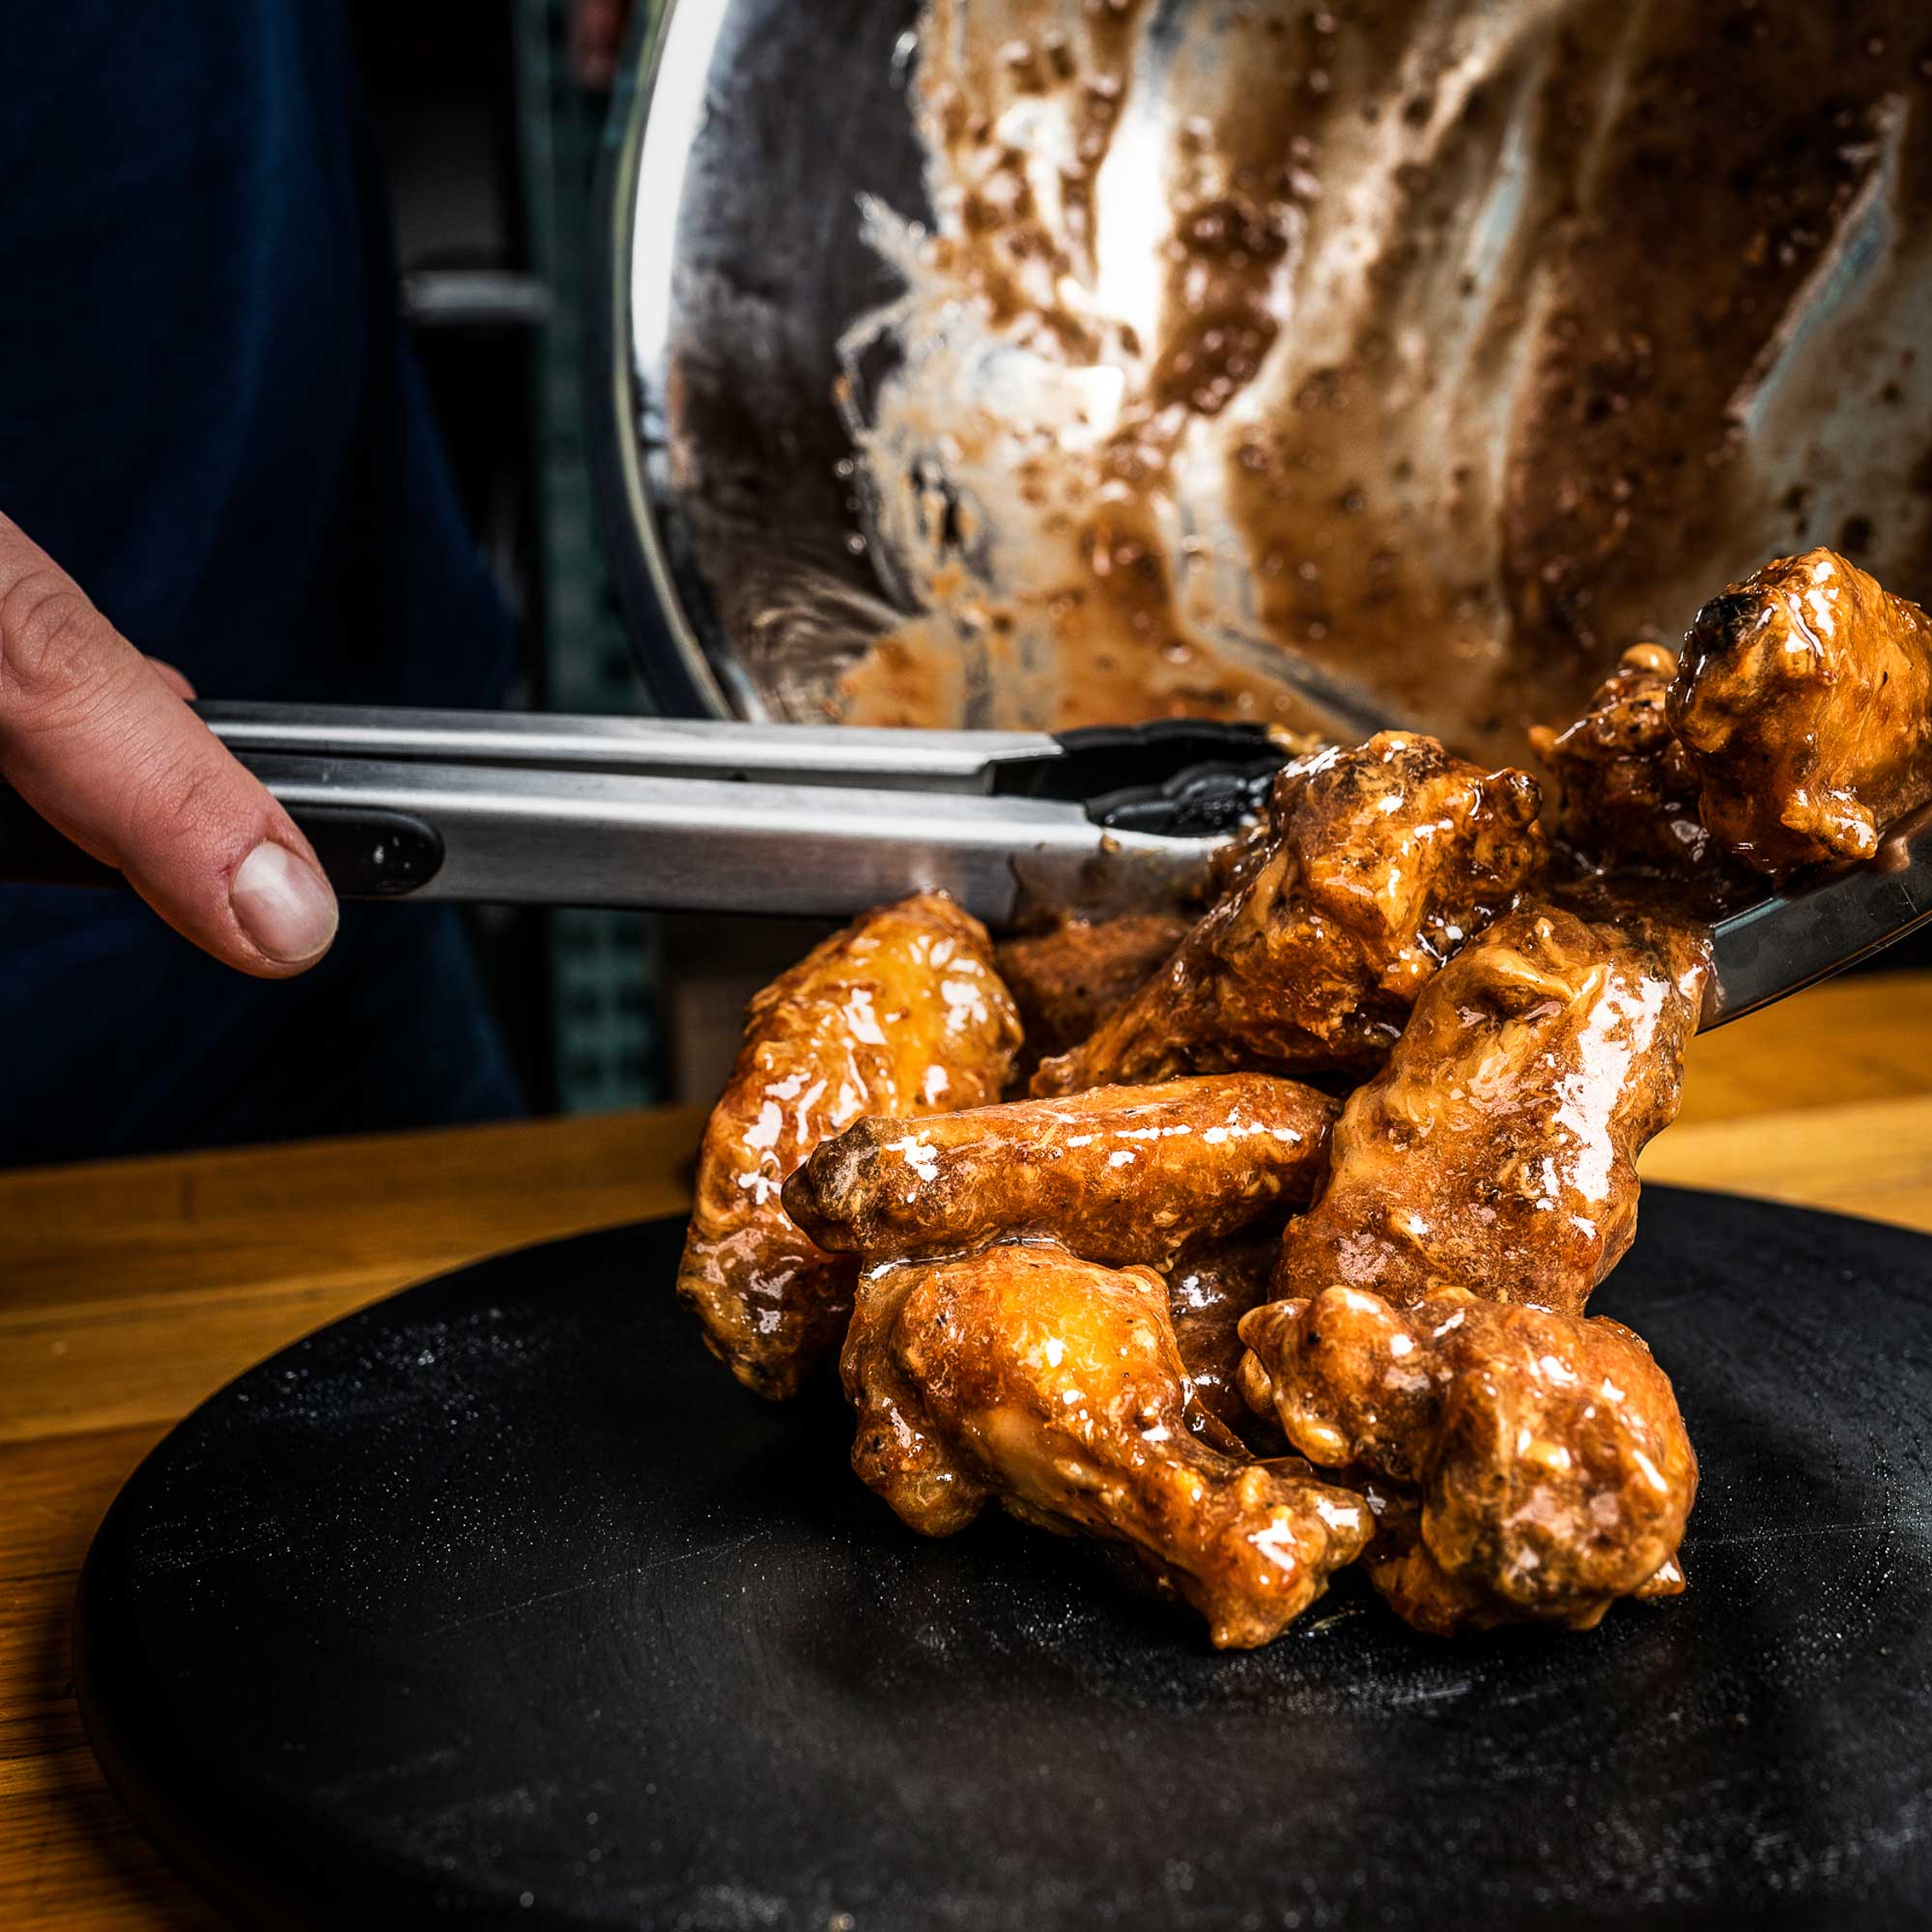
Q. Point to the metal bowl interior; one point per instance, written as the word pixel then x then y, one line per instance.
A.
pixel 1519 397
pixel 743 138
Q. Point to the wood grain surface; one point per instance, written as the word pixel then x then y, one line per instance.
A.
pixel 130 1291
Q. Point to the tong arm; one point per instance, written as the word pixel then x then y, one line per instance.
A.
pixel 1818 926
pixel 799 754
pixel 549 836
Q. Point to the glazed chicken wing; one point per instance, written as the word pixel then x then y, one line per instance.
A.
pixel 1805 704
pixel 1120 1174
pixel 1627 793
pixel 1498 1149
pixel 901 1014
pixel 1210 1286
pixel 1070 978
pixel 1054 1386
pixel 1539 1466
pixel 1378 864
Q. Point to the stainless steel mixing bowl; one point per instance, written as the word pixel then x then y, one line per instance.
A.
pixel 742 137
pixel 1556 317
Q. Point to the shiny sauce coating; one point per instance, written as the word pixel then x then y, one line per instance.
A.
pixel 1027 1374
pixel 901 1012
pixel 1116 1174
pixel 1497 1150
pixel 1804 705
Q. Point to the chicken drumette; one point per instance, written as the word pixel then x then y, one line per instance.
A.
pixel 1118 1174
pixel 1496 1151
pixel 1378 863
pixel 1805 704
pixel 1068 978
pixel 1053 1385
pixel 901 1014
pixel 1535 1465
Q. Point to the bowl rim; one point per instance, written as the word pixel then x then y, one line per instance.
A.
pixel 648 544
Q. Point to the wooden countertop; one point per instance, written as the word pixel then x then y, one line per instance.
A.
pixel 130 1290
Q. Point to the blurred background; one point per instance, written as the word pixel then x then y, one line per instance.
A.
pixel 490 113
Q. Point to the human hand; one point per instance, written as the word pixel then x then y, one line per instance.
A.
pixel 101 742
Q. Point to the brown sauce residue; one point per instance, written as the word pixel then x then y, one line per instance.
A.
pixel 1442 353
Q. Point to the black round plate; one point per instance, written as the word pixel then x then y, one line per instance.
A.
pixel 500 1600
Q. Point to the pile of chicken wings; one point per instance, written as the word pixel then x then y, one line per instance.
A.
pixel 1260 1242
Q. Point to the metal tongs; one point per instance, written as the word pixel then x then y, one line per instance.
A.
pixel 526 809
pixel 825 820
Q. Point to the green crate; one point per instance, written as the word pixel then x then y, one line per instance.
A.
pixel 606 967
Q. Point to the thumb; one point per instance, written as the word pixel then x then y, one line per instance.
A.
pixel 102 745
